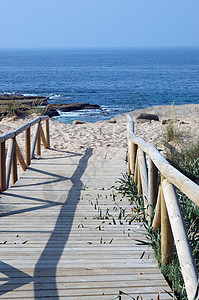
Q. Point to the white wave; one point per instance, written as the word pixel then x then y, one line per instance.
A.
pixel 77 113
pixel 106 108
pixel 55 96
pixel 68 113
pixel 20 93
pixel 29 95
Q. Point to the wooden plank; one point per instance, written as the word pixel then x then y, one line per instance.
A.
pixel 48 242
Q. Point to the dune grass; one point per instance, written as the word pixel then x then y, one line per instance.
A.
pixel 183 155
pixel 190 212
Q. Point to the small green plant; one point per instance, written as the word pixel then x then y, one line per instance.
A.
pixel 38 108
pixel 13 109
pixel 187 161
pixel 182 157
pixel 171 132
pixel 190 212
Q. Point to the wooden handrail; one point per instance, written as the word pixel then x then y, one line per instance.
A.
pixel 181 239
pixel 16 132
pixel 164 200
pixel 188 187
pixel 8 163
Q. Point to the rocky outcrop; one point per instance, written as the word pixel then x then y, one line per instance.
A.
pixel 21 104
pixel 6 99
pixel 77 122
pixel 144 116
pixel 74 106
pixel 51 112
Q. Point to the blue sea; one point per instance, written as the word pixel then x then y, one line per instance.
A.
pixel 119 80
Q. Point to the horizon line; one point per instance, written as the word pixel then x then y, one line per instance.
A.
pixel 95 47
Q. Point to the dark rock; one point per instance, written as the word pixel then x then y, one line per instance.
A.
pixel 51 112
pixel 21 97
pixel 148 117
pixel 169 121
pixel 111 121
pixel 182 122
pixel 74 106
pixel 77 122
pixel 32 101
pixel 140 121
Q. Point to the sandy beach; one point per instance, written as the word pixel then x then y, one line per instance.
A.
pixel 112 133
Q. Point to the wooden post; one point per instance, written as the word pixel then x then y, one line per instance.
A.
pixel 14 164
pixel 136 170
pixel 133 158
pixel 129 156
pixel 152 187
pixel 128 164
pixel 143 176
pixel 138 178
pixel 47 133
pixel 129 150
pixel 43 138
pixel 20 157
pixel 132 148
pixel 35 138
pixel 166 232
pixel 157 217
pixel 188 187
pixel 185 256
pixel 3 167
pixel 38 145
pixel 9 158
pixel 28 146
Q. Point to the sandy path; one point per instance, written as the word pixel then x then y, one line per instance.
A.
pixel 107 134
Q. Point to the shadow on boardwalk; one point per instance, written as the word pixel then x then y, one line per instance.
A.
pixel 42 267
pixel 66 223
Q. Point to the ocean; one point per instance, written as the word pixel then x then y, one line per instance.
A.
pixel 119 80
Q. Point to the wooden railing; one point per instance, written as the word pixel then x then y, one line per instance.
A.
pixel 8 158
pixel 144 164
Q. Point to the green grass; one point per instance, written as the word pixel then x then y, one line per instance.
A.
pixel 190 212
pixel 187 161
pixel 16 108
pixel 12 109
pixel 182 157
pixel 171 133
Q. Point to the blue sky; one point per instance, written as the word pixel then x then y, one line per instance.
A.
pixel 99 23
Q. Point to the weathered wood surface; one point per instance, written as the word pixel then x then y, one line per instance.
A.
pixel 181 239
pixel 61 235
pixel 188 187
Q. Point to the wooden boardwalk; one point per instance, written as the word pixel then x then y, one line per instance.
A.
pixel 61 236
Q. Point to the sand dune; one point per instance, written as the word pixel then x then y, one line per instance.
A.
pixel 108 134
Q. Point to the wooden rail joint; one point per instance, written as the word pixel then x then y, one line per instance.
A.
pixel 8 162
